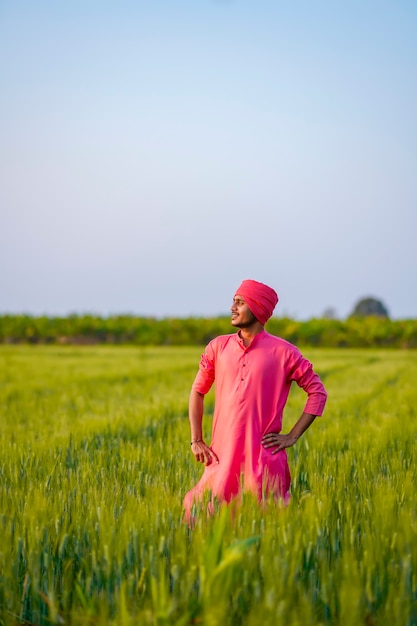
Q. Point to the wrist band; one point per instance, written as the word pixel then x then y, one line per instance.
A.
pixel 195 441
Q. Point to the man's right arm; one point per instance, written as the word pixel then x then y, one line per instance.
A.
pixel 199 448
pixel 196 409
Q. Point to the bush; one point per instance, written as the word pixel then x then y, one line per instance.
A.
pixel 371 331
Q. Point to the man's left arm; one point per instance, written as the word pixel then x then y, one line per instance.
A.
pixel 303 374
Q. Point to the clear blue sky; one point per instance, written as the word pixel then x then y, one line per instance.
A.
pixel 155 153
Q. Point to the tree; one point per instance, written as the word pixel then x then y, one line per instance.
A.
pixel 330 313
pixel 370 306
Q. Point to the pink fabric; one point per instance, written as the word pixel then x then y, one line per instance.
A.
pixel 252 386
pixel 260 298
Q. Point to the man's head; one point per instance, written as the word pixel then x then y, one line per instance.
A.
pixel 260 299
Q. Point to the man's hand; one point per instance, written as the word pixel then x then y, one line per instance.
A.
pixel 277 441
pixel 203 454
pixel 280 442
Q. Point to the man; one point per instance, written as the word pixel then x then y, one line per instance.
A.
pixel 253 372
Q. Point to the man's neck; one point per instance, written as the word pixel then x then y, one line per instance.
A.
pixel 247 334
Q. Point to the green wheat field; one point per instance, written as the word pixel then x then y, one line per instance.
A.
pixel 95 461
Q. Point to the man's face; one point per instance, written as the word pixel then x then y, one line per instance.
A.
pixel 242 316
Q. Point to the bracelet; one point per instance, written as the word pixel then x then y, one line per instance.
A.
pixel 195 441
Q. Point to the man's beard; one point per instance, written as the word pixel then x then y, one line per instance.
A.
pixel 247 324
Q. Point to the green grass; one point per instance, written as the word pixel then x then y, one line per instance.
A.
pixel 95 461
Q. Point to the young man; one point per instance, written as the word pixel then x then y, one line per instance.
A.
pixel 253 372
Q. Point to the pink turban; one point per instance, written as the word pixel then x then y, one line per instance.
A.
pixel 260 298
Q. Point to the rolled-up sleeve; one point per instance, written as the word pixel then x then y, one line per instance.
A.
pixel 304 375
pixel 206 372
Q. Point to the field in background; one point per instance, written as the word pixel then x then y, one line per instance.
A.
pixel 95 461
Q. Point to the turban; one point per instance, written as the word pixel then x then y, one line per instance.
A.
pixel 260 299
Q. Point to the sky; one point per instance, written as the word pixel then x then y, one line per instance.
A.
pixel 153 154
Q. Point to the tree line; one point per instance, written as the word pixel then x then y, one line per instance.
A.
pixel 354 332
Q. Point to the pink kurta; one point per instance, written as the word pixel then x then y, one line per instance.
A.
pixel 252 387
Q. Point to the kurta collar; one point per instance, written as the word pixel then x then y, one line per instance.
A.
pixel 254 341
